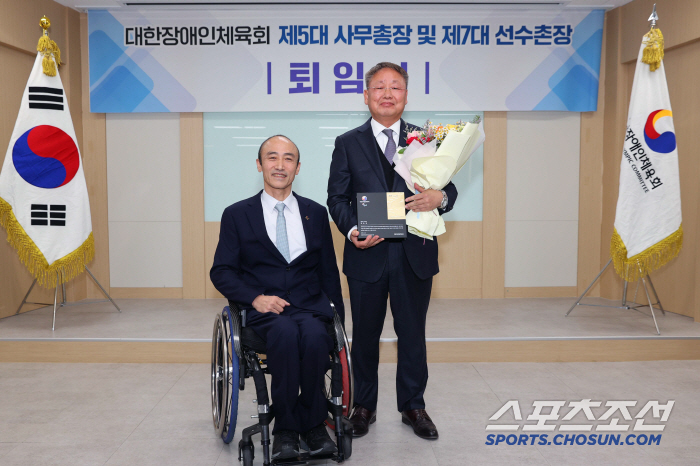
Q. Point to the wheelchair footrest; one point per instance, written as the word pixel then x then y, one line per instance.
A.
pixel 304 458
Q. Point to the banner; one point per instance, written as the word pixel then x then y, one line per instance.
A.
pixel 315 60
pixel 43 196
pixel 648 230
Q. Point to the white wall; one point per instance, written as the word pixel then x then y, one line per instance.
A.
pixel 143 176
pixel 542 186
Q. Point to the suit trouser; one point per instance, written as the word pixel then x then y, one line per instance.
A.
pixel 409 298
pixel 298 347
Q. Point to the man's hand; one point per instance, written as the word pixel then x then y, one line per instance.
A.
pixel 367 242
pixel 425 201
pixel 269 304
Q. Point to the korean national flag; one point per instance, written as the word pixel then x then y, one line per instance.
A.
pixel 44 202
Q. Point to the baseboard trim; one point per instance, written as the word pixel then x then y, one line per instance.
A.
pixel 146 293
pixel 456 293
pixel 542 292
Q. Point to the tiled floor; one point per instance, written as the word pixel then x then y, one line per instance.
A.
pixel 160 414
pixel 192 319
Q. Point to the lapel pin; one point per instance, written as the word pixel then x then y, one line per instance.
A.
pixel 307 217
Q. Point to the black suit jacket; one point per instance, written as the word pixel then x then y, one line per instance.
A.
pixel 356 168
pixel 248 264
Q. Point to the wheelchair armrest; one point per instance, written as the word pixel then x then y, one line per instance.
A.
pixel 333 309
pixel 239 309
pixel 336 329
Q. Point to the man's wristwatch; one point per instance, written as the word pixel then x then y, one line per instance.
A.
pixel 443 204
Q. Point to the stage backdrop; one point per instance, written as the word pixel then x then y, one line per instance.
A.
pixel 292 59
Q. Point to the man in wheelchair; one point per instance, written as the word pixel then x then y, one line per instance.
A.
pixel 276 258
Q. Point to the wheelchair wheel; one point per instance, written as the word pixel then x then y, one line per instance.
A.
pixel 224 377
pixel 343 350
pixel 246 454
pixel 347 443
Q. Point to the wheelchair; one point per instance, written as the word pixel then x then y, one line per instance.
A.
pixel 238 353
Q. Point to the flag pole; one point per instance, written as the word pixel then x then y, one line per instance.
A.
pixel 654 17
pixel 624 297
pixel 64 302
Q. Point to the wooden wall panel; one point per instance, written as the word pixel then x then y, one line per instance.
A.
pixel 192 189
pixel 461 261
pixel 94 152
pixel 14 277
pixel 696 299
pixel 338 245
pixel 590 199
pixel 211 239
pixel 616 101
pixel 675 282
pixel 71 76
pixel 494 217
pixel 19 23
pixel 678 21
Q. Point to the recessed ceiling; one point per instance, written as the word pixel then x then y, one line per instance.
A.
pixel 83 5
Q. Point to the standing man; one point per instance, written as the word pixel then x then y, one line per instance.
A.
pixel 275 254
pixel 401 269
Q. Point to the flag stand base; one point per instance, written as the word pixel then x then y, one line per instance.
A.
pixel 63 302
pixel 624 297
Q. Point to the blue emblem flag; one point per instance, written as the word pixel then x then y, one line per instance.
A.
pixel 648 225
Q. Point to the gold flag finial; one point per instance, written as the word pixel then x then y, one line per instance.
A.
pixel 654 44
pixel 48 49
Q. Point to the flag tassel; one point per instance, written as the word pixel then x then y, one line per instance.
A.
pixel 654 49
pixel 48 49
pixel 652 258
pixel 67 267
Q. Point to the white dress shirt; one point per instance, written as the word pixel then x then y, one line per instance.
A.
pixel 382 139
pixel 292 217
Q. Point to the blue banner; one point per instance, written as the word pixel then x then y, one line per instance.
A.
pixel 290 60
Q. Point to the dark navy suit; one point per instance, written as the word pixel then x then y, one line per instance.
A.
pixel 247 264
pixel 399 269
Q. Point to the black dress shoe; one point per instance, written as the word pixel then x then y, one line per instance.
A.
pixel 285 445
pixel 360 419
pixel 318 441
pixel 422 424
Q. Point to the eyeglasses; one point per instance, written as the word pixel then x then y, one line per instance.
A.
pixel 382 90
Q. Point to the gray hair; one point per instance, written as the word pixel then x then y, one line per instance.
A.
pixel 380 66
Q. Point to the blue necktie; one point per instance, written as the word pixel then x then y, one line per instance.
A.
pixel 390 149
pixel 282 242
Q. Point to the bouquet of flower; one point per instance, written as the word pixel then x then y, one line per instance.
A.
pixel 433 155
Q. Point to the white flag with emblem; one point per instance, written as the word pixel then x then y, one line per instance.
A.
pixel 648 231
pixel 44 202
